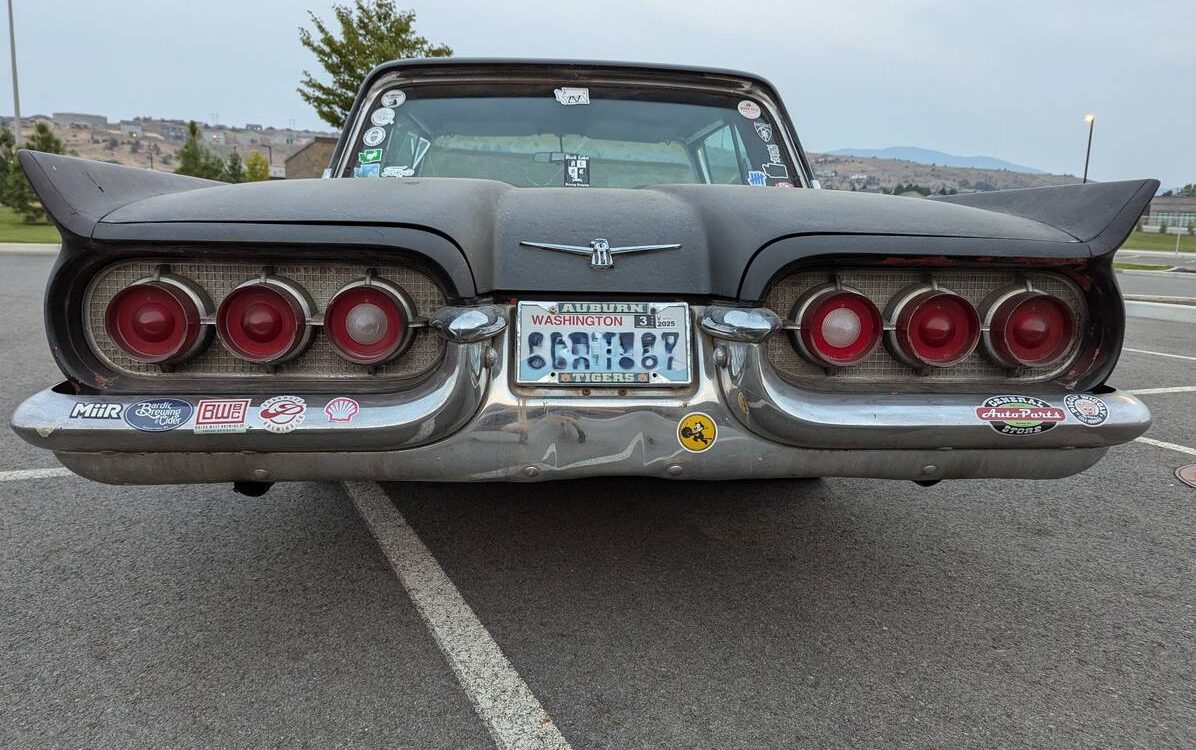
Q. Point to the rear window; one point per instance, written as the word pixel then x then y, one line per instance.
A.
pixel 546 136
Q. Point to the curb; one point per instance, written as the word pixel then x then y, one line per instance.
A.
pixel 28 248
pixel 1161 311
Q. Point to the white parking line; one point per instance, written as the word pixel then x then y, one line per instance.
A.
pixel 1152 391
pixel 12 476
pixel 1169 446
pixel 1158 354
pixel 502 699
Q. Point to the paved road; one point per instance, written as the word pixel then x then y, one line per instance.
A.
pixel 1157 283
pixel 1158 258
pixel 837 613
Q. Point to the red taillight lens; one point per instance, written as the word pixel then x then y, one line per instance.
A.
pixel 158 321
pixel 369 322
pixel 837 326
pixel 265 320
pixel 1029 329
pixel 933 327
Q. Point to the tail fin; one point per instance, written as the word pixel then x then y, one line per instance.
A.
pixel 1100 213
pixel 77 193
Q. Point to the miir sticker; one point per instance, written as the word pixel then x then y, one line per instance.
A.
pixel 696 432
pixel 158 415
pixel 221 415
pixel 95 411
pixel 1089 410
pixel 577 171
pixel 341 409
pixel 383 116
pixel 374 136
pixel 394 98
pixel 569 97
pixel 282 413
pixel 749 109
pixel 1019 415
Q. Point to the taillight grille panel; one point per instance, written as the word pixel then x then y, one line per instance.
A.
pixel 881 368
pixel 318 361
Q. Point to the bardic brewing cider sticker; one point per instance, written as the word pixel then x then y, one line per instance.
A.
pixel 696 432
pixel 1019 415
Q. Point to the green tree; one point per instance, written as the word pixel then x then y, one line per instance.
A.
pixel 257 168
pixel 197 160
pixel 370 32
pixel 234 169
pixel 8 162
pixel 18 193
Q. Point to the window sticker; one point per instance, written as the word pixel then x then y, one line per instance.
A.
pixel 774 153
pixel 369 156
pixel 394 98
pixel 568 96
pixel 764 130
pixel 374 136
pixel 776 171
pixel 383 116
pixel 577 171
pixel 756 179
pixel 367 170
pixel 398 172
pixel 749 109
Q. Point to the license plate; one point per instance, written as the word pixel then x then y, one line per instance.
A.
pixel 614 344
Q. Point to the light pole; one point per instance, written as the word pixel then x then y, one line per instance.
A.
pixel 1091 120
pixel 16 97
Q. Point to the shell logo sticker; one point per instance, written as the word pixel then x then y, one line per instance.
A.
pixel 697 432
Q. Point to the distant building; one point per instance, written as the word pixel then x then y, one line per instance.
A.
pixel 1174 211
pixel 79 120
pixel 253 126
pixel 173 131
pixel 130 129
pixel 312 159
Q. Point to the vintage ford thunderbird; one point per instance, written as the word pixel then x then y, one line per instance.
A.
pixel 545 270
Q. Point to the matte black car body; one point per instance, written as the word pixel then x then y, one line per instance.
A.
pixel 736 243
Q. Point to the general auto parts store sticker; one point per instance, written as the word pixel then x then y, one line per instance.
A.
pixel 1019 415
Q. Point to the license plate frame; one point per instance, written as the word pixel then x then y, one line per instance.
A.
pixel 606 326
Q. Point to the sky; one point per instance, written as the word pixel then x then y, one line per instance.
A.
pixel 1011 79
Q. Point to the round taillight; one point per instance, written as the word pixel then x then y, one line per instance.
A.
pixel 837 326
pixel 369 321
pixel 159 320
pixel 1027 328
pixel 265 320
pixel 933 327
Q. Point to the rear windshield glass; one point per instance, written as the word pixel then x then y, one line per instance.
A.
pixel 569 136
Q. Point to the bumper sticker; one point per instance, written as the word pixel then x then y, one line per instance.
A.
pixel 282 414
pixel 696 432
pixel 1019 415
pixel 341 409
pixel 95 411
pixel 221 415
pixel 158 415
pixel 1088 410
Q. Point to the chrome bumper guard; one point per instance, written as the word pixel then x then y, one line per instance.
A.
pixel 468 422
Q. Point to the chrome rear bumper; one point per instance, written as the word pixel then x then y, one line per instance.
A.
pixel 468 422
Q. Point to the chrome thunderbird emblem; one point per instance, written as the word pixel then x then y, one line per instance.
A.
pixel 600 252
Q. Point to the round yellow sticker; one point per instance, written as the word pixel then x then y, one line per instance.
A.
pixel 696 432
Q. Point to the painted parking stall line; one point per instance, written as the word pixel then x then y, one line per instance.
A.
pixel 1159 354
pixel 502 699
pixel 14 476
pixel 1169 446
pixel 1156 391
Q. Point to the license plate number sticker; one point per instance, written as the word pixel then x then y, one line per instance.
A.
pixel 616 344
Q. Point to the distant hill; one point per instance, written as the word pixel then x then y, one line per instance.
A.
pixel 930 156
pixel 841 172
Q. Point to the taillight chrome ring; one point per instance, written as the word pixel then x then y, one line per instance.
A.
pixel 266 320
pixel 161 320
pixel 1024 327
pixel 932 327
pixel 837 326
pixel 368 321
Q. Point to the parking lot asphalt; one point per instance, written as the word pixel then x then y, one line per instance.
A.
pixel 832 613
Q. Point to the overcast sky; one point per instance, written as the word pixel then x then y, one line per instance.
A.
pixel 1010 79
